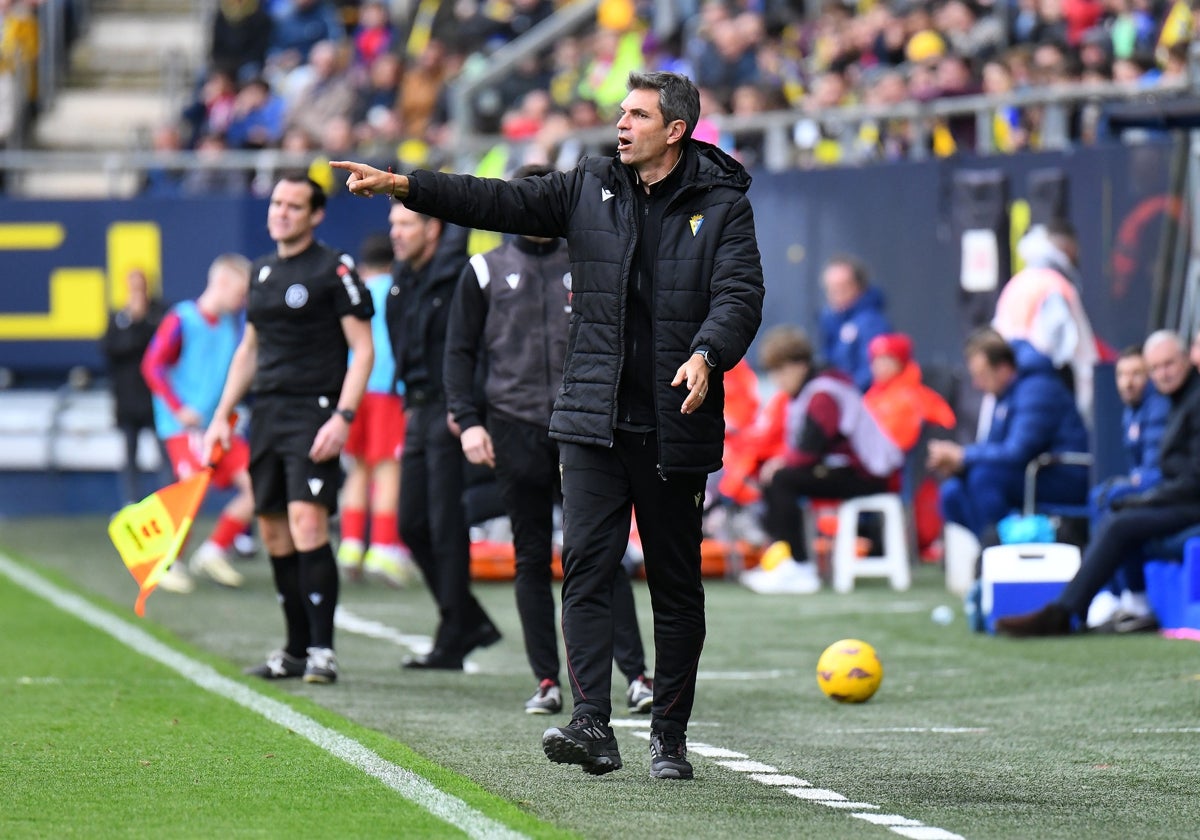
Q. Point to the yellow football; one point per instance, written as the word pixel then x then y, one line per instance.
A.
pixel 849 671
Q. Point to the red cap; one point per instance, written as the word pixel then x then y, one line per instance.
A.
pixel 896 345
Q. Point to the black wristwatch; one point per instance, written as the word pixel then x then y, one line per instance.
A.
pixel 346 414
pixel 710 358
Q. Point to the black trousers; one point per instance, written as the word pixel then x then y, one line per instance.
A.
pixel 600 488
pixel 433 523
pixel 1120 537
pixel 782 518
pixel 527 474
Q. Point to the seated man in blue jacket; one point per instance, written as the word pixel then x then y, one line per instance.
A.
pixel 1170 506
pixel 1143 420
pixel 1035 413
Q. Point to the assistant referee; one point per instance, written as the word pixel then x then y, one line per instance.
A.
pixel 307 307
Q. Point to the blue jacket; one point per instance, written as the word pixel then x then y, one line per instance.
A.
pixel 846 334
pixel 1144 425
pixel 1036 414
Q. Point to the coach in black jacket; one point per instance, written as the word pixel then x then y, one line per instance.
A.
pixel 667 292
pixel 1167 508
pixel 430 256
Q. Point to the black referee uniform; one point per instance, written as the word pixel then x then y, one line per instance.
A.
pixel 296 305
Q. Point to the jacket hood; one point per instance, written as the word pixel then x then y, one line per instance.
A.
pixel 1029 360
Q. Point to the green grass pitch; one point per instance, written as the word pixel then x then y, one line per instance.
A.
pixel 969 735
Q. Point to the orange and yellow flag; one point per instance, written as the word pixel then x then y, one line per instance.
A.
pixel 150 534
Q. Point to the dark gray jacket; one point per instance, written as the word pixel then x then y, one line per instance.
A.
pixel 510 311
pixel 708 284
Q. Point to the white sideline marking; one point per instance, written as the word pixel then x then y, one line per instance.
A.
pixel 886 819
pixel 734 676
pixel 748 766
pixel 779 780
pixel 448 808
pixel 814 793
pixel 936 730
pixel 349 622
pixel 802 789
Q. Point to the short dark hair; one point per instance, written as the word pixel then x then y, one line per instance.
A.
pixel 784 344
pixel 858 269
pixel 1058 226
pixel 678 98
pixel 1130 351
pixel 376 250
pixel 992 346
pixel 316 201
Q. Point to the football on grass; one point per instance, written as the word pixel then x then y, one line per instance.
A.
pixel 849 671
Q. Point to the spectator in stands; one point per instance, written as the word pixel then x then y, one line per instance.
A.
pixel 835 450
pixel 163 180
pixel 258 117
pixel 374 36
pixel 1034 414
pixel 211 177
pixel 372 485
pixel 1041 305
pixel 19 53
pixel 422 91
pixel 300 26
pixel 185 367
pixel 852 316
pixel 240 37
pixel 1168 507
pixel 327 94
pixel 129 332
pixel 381 88
pixel 1143 420
pixel 212 110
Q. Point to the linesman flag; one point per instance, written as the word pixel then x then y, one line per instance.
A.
pixel 150 534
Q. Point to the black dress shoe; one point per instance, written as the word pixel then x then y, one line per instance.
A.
pixel 435 660
pixel 484 635
pixel 1050 620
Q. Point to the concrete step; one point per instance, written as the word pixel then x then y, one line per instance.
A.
pixel 146 7
pixel 124 43
pixel 100 119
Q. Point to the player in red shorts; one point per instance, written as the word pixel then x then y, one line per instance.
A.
pixel 372 486
pixel 185 367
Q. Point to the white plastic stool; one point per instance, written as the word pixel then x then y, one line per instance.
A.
pixel 892 564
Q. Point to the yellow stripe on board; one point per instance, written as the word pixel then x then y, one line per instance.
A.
pixel 133 245
pixel 31 236
pixel 77 309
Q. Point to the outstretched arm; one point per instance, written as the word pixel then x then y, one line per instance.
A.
pixel 366 180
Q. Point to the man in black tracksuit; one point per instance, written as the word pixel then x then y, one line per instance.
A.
pixel 1167 508
pixel 667 291
pixel 430 257
pixel 511 312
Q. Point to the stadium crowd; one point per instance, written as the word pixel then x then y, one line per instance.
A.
pixel 329 80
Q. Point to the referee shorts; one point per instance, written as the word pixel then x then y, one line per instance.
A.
pixel 281 435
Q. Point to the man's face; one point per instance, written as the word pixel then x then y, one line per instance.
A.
pixel 885 368
pixel 641 135
pixel 231 284
pixel 414 237
pixel 841 289
pixel 985 377
pixel 1167 365
pixel 788 377
pixel 1131 379
pixel 290 217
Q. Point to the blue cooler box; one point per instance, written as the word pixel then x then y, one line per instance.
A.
pixel 1024 577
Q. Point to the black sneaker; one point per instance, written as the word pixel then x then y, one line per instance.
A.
pixel 584 741
pixel 668 756
pixel 280 665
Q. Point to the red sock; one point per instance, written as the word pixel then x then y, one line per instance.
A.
pixel 383 529
pixel 354 524
pixel 227 528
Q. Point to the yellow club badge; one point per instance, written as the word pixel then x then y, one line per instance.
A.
pixel 695 222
